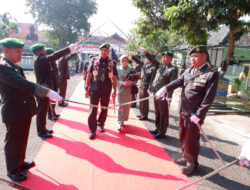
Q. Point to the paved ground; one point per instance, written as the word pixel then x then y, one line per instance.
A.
pixel 224 131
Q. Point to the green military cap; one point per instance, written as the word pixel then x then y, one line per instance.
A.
pixel 138 55
pixel 198 49
pixel 169 53
pixel 104 46
pixel 37 47
pixel 153 56
pixel 11 43
pixel 49 50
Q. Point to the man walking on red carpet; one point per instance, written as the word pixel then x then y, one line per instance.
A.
pixel 102 75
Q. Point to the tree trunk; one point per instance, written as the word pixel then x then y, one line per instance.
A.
pixel 230 51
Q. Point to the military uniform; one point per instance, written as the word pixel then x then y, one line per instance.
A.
pixel 64 75
pixel 198 92
pixel 54 85
pixel 143 83
pixel 44 76
pixel 100 89
pixel 161 76
pixel 17 110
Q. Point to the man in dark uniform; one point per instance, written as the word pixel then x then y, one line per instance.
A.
pixel 54 86
pixel 199 85
pixel 146 74
pixel 18 107
pixel 64 75
pixel 134 88
pixel 44 76
pixel 102 75
pixel 85 67
pixel 164 73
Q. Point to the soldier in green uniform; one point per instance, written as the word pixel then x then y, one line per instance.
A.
pixel 199 85
pixel 42 67
pixel 164 73
pixel 18 107
pixel 102 76
pixel 146 74
pixel 54 86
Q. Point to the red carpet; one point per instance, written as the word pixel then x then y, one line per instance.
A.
pixel 129 160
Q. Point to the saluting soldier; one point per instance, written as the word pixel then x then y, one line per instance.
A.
pixel 64 75
pixel 42 67
pixel 54 86
pixel 143 83
pixel 164 73
pixel 18 107
pixel 102 76
pixel 199 86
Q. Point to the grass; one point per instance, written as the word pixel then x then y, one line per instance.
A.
pixel 238 103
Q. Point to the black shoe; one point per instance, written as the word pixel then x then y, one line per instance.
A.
pixel 92 135
pixel 45 135
pixel 53 118
pixel 139 116
pixel 153 131
pixel 191 166
pixel 62 104
pixel 27 165
pixel 181 162
pixel 57 115
pixel 17 176
pixel 50 131
pixel 101 128
pixel 143 118
pixel 159 136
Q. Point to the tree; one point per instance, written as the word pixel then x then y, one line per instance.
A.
pixel 157 41
pixel 193 19
pixel 66 18
pixel 7 24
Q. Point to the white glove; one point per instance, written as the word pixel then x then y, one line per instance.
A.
pixel 54 96
pixel 148 91
pixel 160 93
pixel 244 157
pixel 194 119
pixel 168 99
pixel 73 48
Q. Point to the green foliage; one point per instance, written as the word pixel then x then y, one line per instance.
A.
pixel 66 18
pixel 237 84
pixel 156 42
pixel 193 19
pixel 247 92
pixel 7 23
